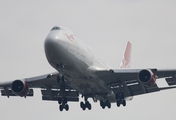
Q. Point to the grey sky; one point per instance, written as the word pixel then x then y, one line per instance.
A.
pixel 106 26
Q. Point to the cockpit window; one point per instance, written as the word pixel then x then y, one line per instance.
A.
pixel 55 28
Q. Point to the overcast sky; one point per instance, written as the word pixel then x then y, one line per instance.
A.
pixel 105 26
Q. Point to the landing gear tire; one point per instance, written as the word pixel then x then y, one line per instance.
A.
pixel 101 103
pixel 104 104
pixel 118 103
pixel 108 104
pixel 120 99
pixel 123 102
pixel 59 101
pixel 81 104
pixel 85 105
pixel 88 105
pixel 66 107
pixel 61 107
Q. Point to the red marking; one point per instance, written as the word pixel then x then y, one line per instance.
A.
pixel 70 37
pixel 153 80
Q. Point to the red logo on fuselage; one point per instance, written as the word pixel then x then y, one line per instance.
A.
pixel 70 37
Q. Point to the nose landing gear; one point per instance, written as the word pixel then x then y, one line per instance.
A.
pixel 62 101
pixel 64 106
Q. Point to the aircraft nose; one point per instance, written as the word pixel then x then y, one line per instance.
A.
pixel 52 44
pixel 53 38
pixel 54 35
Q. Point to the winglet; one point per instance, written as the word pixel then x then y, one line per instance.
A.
pixel 125 63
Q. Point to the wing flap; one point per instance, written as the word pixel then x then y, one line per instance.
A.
pixel 135 89
pixel 56 94
pixel 171 80
pixel 71 99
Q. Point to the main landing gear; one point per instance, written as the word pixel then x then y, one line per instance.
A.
pixel 105 103
pixel 86 104
pixel 63 104
pixel 120 99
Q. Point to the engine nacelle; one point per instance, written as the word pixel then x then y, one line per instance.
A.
pixel 147 77
pixel 20 88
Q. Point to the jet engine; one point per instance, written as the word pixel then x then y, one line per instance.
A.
pixel 147 77
pixel 20 88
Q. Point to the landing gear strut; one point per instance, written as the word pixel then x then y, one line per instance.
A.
pixel 86 104
pixel 62 101
pixel 120 99
pixel 60 78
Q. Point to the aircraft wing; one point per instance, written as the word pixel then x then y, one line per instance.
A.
pixel 126 80
pixel 35 82
pixel 50 88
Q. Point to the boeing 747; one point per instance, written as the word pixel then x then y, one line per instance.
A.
pixel 80 72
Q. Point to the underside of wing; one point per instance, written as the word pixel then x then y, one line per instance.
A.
pixel 133 82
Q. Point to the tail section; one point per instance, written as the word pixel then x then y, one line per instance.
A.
pixel 125 63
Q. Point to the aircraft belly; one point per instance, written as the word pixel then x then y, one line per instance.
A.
pixel 92 88
pixel 88 86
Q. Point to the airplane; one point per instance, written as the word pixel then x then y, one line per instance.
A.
pixel 80 72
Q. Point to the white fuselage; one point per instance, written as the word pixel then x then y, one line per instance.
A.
pixel 62 47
